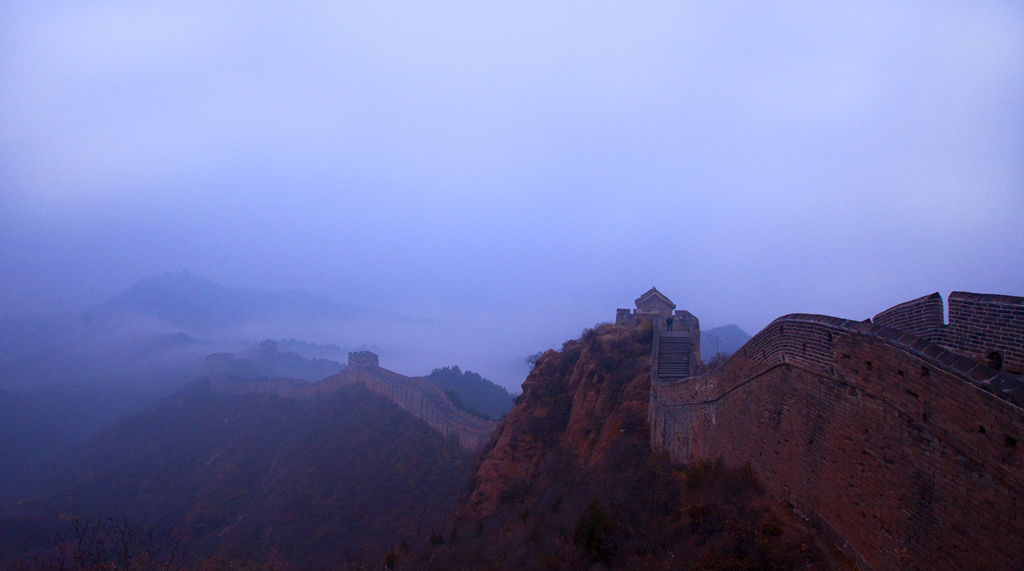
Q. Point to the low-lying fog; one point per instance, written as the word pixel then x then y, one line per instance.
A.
pixel 507 174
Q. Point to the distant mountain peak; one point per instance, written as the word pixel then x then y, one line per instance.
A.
pixel 725 339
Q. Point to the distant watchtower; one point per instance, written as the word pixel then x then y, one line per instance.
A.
pixel 676 351
pixel 362 360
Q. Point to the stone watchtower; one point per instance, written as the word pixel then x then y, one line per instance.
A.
pixel 676 351
pixel 362 360
pixel 653 306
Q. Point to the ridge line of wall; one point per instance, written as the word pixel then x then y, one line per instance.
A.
pixel 451 413
pixel 1003 385
pixel 906 451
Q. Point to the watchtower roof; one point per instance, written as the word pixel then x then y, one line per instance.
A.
pixel 653 295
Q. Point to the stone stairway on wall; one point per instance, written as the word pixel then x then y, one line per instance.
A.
pixel 673 360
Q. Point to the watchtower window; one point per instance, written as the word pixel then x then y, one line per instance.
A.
pixel 995 360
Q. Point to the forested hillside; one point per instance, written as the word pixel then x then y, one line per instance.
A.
pixel 471 392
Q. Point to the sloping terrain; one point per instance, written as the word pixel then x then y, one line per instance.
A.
pixel 320 483
pixel 63 378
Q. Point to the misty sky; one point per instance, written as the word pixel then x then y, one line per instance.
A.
pixel 523 166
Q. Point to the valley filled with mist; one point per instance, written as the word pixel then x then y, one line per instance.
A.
pixel 109 425
pixel 121 446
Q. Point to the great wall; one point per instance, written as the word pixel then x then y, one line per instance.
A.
pixel 898 438
pixel 416 395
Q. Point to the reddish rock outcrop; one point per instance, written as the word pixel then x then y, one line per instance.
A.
pixel 575 401
pixel 569 481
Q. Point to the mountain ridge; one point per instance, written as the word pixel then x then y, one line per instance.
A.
pixel 186 300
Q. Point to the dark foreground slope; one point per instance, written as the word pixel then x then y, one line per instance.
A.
pixel 569 481
pixel 328 482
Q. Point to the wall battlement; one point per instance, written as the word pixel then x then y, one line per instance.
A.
pixel 988 328
pixel 922 317
pixel 901 446
pixel 985 327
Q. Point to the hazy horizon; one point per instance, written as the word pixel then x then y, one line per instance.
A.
pixel 514 172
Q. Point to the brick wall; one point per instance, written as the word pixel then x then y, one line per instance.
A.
pixel 905 454
pixel 980 324
pixel 427 402
pixel 921 316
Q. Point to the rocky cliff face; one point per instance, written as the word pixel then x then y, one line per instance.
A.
pixel 575 402
pixel 568 481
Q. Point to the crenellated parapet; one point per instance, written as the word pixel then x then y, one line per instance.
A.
pixel 922 317
pixel 985 327
pixel 989 328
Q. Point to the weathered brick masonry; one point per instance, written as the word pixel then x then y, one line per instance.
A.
pixel 921 317
pixel 982 326
pixel 905 454
pixel 987 327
